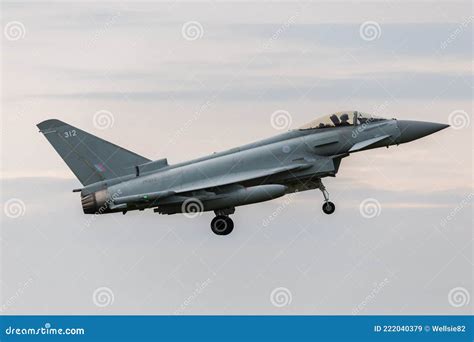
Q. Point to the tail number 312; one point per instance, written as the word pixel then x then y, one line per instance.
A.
pixel 69 134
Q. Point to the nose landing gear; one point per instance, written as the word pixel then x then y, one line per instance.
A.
pixel 328 206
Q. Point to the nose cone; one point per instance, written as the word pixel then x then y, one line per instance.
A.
pixel 412 130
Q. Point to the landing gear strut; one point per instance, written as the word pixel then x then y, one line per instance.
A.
pixel 328 206
pixel 222 224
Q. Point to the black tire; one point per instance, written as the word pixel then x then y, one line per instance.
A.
pixel 329 208
pixel 222 225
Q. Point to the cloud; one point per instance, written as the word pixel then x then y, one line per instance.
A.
pixel 374 86
pixel 396 39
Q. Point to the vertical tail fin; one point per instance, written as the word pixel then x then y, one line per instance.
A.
pixel 90 158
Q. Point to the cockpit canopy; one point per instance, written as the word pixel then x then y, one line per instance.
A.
pixel 340 119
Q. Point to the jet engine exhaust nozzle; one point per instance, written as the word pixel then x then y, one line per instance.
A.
pixel 95 203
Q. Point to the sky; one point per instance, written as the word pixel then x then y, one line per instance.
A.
pixel 181 80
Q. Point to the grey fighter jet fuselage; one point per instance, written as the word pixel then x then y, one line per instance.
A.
pixel 117 180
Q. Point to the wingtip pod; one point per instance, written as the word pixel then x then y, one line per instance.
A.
pixel 50 124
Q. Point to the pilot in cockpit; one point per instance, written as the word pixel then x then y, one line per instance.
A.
pixel 335 120
pixel 344 120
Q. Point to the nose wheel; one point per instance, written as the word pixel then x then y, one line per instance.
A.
pixel 328 206
pixel 222 225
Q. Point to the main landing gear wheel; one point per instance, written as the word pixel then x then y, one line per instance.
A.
pixel 329 207
pixel 222 225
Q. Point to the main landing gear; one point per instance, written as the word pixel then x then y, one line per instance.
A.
pixel 222 224
pixel 328 206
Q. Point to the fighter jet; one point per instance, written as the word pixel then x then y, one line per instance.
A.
pixel 117 180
